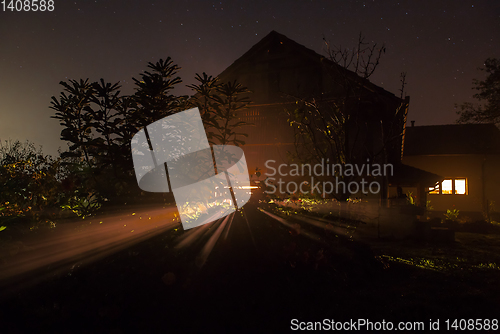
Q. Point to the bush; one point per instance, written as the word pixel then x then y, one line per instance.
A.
pixel 33 188
pixel 452 214
pixel 28 179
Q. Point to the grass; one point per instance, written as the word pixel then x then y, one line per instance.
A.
pixel 471 251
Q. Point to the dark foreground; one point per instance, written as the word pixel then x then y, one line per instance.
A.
pixel 260 275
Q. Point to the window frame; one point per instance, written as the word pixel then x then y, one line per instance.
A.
pixel 439 187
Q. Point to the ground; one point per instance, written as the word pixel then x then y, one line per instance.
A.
pixel 265 269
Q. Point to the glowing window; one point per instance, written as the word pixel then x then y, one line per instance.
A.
pixel 457 186
pixel 447 187
pixel 460 187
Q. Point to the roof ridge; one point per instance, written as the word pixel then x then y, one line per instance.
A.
pixel 456 125
pixel 474 138
pixel 274 34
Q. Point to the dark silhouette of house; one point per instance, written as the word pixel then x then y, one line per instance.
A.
pixel 279 71
pixel 468 158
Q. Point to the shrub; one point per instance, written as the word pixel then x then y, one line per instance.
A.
pixel 452 214
pixel 29 180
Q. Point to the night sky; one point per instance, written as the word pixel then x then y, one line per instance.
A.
pixel 440 44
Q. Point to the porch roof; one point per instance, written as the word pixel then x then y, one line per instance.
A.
pixel 409 176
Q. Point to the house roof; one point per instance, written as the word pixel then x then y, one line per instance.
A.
pixel 410 176
pixel 259 68
pixel 452 139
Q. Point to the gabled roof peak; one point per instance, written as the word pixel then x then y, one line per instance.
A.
pixel 276 51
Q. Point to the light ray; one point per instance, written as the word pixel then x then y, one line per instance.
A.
pixel 76 242
pixel 209 246
pixel 310 235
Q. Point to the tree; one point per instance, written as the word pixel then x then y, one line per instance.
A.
pixel 335 126
pixel 219 104
pixel 76 116
pixel 488 96
pixel 153 96
pixel 99 122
